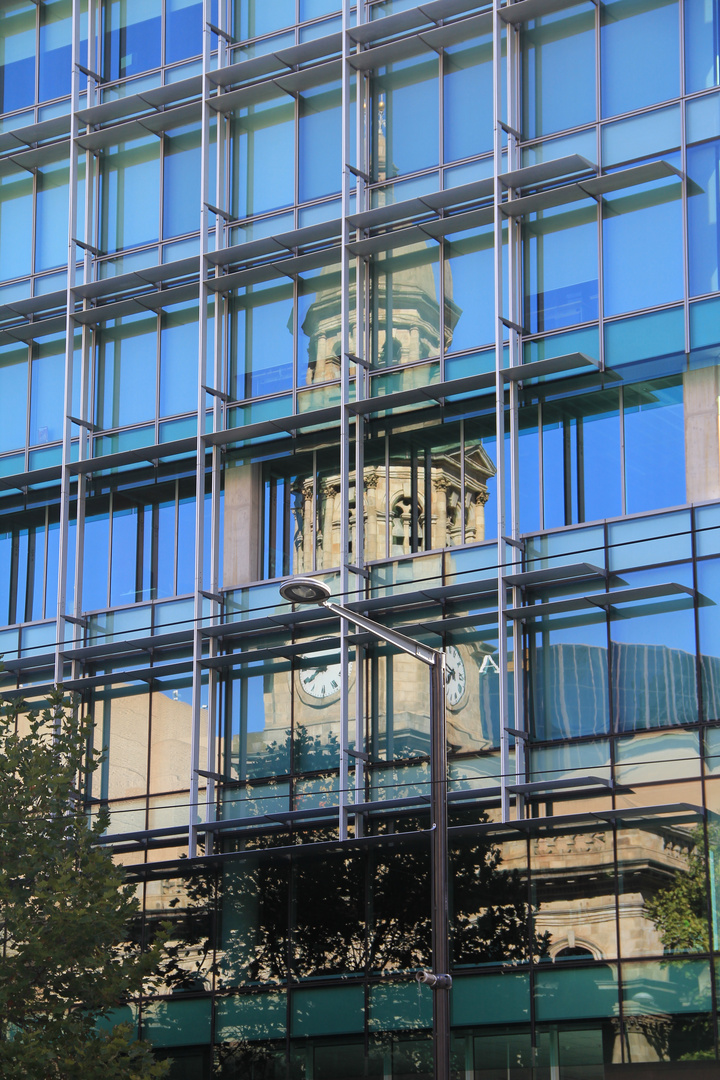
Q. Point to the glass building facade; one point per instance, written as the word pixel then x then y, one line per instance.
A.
pixel 424 301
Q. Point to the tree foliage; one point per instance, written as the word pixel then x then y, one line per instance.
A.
pixel 64 911
pixel 679 910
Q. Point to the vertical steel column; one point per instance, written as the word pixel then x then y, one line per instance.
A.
pixel 66 478
pixel 500 408
pixel 345 419
pixel 439 865
pixel 516 314
pixel 215 380
pixel 199 599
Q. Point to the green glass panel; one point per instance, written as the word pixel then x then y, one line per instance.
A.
pixel 328 1011
pixel 251 1017
pixel 490 999
pixel 177 1023
pixel 563 994
pixel 399 1006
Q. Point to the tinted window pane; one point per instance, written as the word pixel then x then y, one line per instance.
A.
pixel 406 122
pixel 13 387
pixel 183 27
pixel 263 158
pixel 132 36
pixel 702 45
pixel 319 142
pixel 17 55
pixel 654 445
pixel 468 79
pixel 55 59
pixel 126 372
pixel 178 361
pixel 642 246
pixel 15 224
pixel 256 17
pixel 46 399
pixel 129 189
pixel 561 268
pixel 469 288
pixel 262 341
pixel 640 54
pixel 559 71
pixel 181 183
pixel 703 224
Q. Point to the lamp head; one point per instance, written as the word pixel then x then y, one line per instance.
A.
pixel 304 590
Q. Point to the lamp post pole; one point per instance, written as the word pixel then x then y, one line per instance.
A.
pixel 310 591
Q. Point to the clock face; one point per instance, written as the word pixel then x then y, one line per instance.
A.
pixel 455 679
pixel 322 681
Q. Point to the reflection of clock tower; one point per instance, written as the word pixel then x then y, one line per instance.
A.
pixel 450 507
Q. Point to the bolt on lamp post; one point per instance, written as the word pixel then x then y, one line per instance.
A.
pixel 309 591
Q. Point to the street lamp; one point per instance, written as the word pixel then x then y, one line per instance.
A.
pixel 310 591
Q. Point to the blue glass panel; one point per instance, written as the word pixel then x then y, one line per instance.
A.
pixel 55 56
pixel 708 581
pixel 633 77
pixel 650 133
pixel 703 224
pixel 702 44
pixel 178 361
pixel 183 28
pixel 314 9
pixel 702 118
pixel 559 71
pixel 126 366
pixel 529 470
pixel 319 135
pixel 256 17
pixel 561 266
pixel 129 194
pixel 165 585
pixel 123 569
pixel 569 687
pixel 262 341
pixel 51 239
pixel 186 545
pixel 469 309
pixel 16 224
pixel 581 459
pixel 641 341
pixel 95 570
pixel 642 246
pixel 654 445
pixel 51 576
pixel 405 118
pixel 468 78
pixel 181 182
pixel 13 387
pixel 132 36
pixel 46 392
pixel 653 656
pixel 17 55
pixel 263 158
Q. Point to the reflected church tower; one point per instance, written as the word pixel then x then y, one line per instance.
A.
pixel 405 329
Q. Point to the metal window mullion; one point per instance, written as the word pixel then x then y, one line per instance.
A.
pixel 216 473
pixel 515 310
pixel 66 478
pixel 500 407
pixel 344 418
pixel 198 601
pixel 361 392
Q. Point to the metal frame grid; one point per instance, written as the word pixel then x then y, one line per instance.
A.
pixel 361 231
